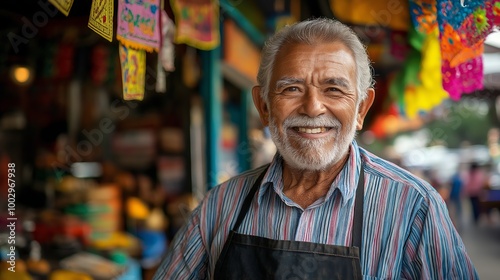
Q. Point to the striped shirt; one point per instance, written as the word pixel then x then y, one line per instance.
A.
pixel 407 232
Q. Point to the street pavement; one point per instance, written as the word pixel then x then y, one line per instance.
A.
pixel 482 242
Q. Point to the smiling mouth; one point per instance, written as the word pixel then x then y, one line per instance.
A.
pixel 312 130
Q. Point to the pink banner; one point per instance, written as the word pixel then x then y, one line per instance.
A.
pixel 139 24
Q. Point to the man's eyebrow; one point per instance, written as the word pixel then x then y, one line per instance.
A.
pixel 337 81
pixel 283 82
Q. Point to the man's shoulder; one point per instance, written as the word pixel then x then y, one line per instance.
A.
pixel 390 172
pixel 239 183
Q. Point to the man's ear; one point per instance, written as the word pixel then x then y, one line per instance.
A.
pixel 363 108
pixel 261 105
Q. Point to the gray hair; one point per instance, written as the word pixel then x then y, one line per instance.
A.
pixel 311 32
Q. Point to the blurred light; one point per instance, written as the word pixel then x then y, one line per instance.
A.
pixel 86 169
pixel 391 124
pixel 21 75
pixel 493 39
pixel 491 63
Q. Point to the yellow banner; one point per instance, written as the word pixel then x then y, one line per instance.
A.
pixel 101 18
pixel 62 5
pixel 133 63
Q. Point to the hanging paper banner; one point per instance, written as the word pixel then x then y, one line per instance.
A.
pixel 139 24
pixel 133 63
pixel 429 92
pixel 418 88
pixel 101 18
pixel 424 15
pixel 62 5
pixel 463 26
pixel 197 23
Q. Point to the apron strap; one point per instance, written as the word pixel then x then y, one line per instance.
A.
pixel 357 227
pixel 248 199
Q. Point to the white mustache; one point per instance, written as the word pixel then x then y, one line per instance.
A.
pixel 303 121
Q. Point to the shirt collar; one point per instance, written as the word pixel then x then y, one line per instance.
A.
pixel 346 181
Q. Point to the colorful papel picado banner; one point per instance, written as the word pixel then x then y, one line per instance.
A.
pixel 139 24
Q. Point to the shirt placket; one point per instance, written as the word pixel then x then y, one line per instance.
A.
pixel 304 227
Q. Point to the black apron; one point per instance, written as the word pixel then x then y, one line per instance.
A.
pixel 254 257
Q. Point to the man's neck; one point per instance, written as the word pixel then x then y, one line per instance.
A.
pixel 304 187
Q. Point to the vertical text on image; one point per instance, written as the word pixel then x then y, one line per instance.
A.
pixel 11 219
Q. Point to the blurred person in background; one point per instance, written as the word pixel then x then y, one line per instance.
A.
pixel 475 183
pixel 324 208
pixel 456 184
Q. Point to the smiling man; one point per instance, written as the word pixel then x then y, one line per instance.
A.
pixel 324 208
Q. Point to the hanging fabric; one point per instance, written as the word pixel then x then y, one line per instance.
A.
pixel 101 18
pixel 463 25
pixel 133 64
pixel 64 6
pixel 428 92
pixel 197 23
pixel 165 60
pixel 139 24
pixel 166 54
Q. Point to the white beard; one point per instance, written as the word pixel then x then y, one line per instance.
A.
pixel 312 154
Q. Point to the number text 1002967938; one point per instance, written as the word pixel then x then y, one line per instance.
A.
pixel 11 218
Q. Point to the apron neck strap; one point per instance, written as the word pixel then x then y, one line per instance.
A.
pixel 357 227
pixel 246 204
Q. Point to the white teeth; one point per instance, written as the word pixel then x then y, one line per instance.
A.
pixel 311 130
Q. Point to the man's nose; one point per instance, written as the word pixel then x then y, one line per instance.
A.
pixel 313 103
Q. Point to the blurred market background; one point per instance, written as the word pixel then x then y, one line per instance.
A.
pixel 120 115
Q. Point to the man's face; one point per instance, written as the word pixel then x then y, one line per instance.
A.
pixel 313 111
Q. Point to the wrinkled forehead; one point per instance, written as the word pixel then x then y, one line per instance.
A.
pixel 324 57
pixel 317 51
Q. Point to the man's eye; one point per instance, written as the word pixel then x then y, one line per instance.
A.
pixel 333 89
pixel 291 89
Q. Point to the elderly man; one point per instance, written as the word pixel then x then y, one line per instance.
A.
pixel 324 208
